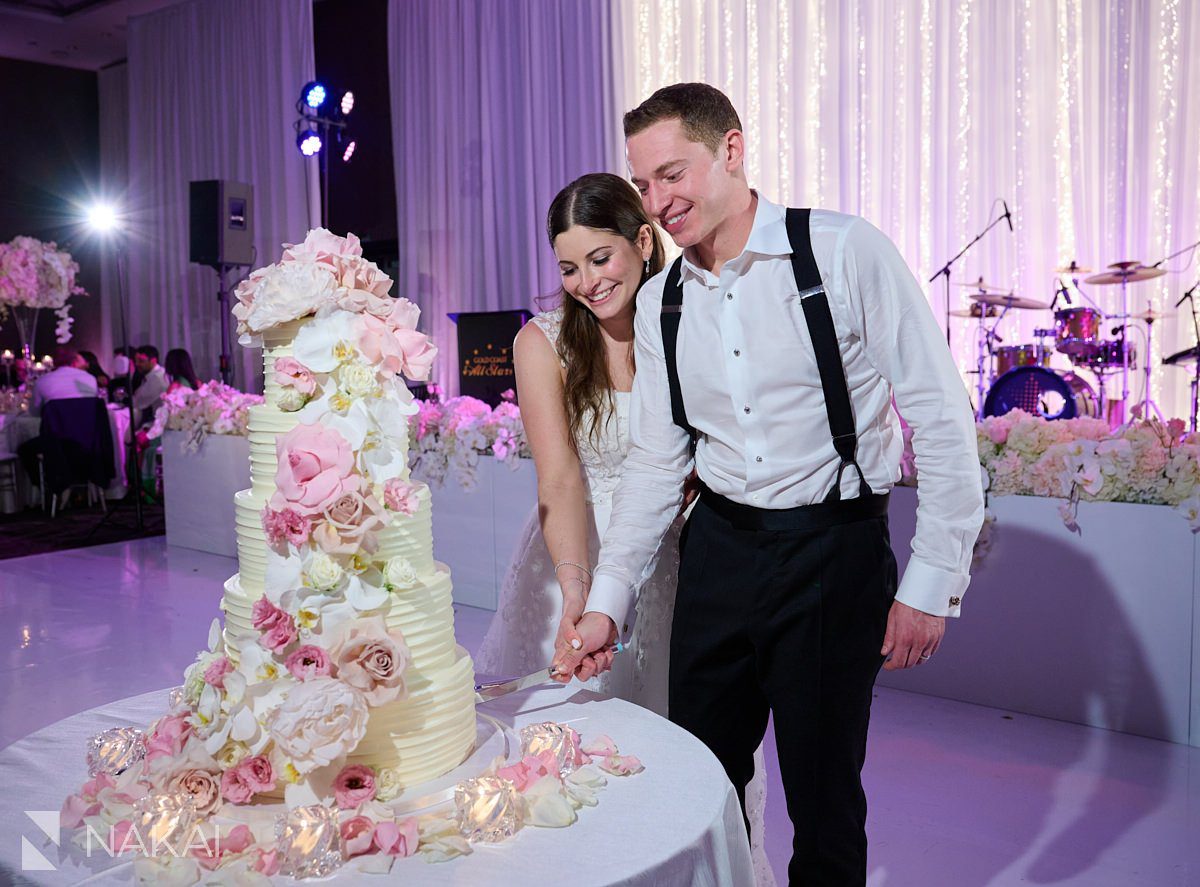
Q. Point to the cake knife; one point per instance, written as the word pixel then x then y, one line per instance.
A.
pixel 495 689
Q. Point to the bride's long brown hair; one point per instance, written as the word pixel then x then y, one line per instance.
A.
pixel 604 202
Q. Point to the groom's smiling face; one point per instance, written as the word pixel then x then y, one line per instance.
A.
pixel 685 187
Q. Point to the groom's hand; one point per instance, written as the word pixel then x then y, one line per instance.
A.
pixel 582 654
pixel 912 637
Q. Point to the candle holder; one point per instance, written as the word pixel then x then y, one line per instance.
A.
pixel 487 808
pixel 165 820
pixel 556 738
pixel 310 842
pixel 114 751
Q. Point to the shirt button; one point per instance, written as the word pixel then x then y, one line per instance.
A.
pixel 758 458
pixel 729 296
pixel 747 409
pixel 754 497
pixel 737 352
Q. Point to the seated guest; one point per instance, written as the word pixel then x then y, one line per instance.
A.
pixel 93 367
pixel 179 370
pixel 69 378
pixel 121 362
pixel 148 395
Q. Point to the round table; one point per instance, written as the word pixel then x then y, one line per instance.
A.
pixel 677 822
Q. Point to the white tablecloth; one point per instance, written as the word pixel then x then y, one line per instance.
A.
pixel 676 823
pixel 16 428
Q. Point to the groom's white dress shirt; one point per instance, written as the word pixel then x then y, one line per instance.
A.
pixel 752 390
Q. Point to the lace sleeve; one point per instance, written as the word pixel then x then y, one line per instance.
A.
pixel 550 322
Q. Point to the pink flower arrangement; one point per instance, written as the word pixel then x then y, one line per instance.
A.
pixel 449 438
pixel 213 408
pixel 36 274
pixel 249 778
pixel 354 785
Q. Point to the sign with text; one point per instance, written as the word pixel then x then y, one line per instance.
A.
pixel 485 360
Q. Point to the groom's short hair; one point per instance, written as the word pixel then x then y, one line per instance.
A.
pixel 705 112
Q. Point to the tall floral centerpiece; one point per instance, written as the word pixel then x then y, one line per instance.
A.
pixel 36 275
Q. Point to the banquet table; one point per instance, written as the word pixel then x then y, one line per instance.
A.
pixel 676 823
pixel 16 428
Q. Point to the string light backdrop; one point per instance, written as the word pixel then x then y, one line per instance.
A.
pixel 918 114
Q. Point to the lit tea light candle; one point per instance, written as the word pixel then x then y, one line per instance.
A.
pixel 7 356
pixel 487 809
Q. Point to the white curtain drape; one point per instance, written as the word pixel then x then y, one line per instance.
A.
pixel 495 107
pixel 918 114
pixel 113 87
pixel 212 92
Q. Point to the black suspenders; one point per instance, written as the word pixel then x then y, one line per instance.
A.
pixel 820 329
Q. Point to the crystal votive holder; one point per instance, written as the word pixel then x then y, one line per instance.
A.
pixel 488 809
pixel 310 842
pixel 165 822
pixel 557 738
pixel 114 751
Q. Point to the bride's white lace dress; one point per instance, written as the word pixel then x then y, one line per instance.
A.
pixel 521 636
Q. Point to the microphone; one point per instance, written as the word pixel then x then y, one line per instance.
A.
pixel 1063 291
pixel 1007 214
pixel 1117 329
pixel 1186 296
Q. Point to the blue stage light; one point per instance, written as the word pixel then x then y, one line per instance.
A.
pixel 314 94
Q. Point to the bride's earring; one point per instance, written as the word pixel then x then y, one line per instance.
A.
pixel 646 273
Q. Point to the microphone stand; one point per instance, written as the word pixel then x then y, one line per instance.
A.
pixel 1190 298
pixel 1173 255
pixel 945 269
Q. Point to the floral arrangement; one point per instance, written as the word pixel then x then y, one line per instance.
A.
pixel 281 708
pixel 213 408
pixel 1150 462
pixel 35 275
pixel 450 437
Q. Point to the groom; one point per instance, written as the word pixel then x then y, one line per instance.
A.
pixel 768 356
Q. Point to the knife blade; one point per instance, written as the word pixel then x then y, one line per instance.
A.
pixel 490 690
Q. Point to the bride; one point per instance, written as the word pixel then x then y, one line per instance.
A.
pixel 574 369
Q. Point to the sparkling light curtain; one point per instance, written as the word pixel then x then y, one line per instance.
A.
pixel 495 107
pixel 113 84
pixel 918 114
pixel 212 92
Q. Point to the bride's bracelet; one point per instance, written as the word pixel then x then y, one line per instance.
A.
pixel 559 566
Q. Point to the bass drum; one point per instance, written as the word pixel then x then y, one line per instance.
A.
pixel 1039 391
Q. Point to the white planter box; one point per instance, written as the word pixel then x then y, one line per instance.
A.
pixel 1097 628
pixel 475 533
pixel 199 488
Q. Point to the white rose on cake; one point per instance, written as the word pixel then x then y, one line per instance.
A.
pixel 358 380
pixel 318 722
pixel 290 400
pixel 399 573
pixel 323 572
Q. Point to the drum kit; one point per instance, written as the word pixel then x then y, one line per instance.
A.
pixel 1019 376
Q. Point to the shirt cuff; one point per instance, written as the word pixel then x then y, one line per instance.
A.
pixel 932 590
pixel 613 598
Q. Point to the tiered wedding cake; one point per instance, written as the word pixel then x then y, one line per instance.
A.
pixel 339 620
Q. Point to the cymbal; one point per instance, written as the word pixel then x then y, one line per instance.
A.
pixel 1074 269
pixel 1126 272
pixel 1007 300
pixel 980 286
pixel 975 311
pixel 1149 315
pixel 1179 358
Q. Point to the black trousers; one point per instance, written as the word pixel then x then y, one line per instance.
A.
pixel 787 622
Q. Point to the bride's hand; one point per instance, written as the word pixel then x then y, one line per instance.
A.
pixel 574 592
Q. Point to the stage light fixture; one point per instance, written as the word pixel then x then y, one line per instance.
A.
pixel 313 94
pixel 347 102
pixel 102 218
pixel 308 142
pixel 349 152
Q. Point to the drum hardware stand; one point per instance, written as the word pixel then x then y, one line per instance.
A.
pixel 985 352
pixel 945 269
pixel 1190 298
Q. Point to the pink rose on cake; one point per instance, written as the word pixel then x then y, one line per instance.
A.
pixel 202 786
pixel 357 832
pixel 167 737
pixel 401 495
pixel 277 627
pixel 308 662
pixel 287 525
pixel 291 373
pixel 362 277
pixel 249 778
pixel 318 722
pixel 353 786
pixel 373 661
pixel 395 349
pixel 350 523
pixel 214 675
pixel 316 468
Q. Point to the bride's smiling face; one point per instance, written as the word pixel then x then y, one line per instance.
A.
pixel 600 269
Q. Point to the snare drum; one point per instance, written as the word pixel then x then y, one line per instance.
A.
pixel 1009 357
pixel 1077 331
pixel 1112 354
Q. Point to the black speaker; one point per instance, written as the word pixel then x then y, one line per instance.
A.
pixel 221 223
